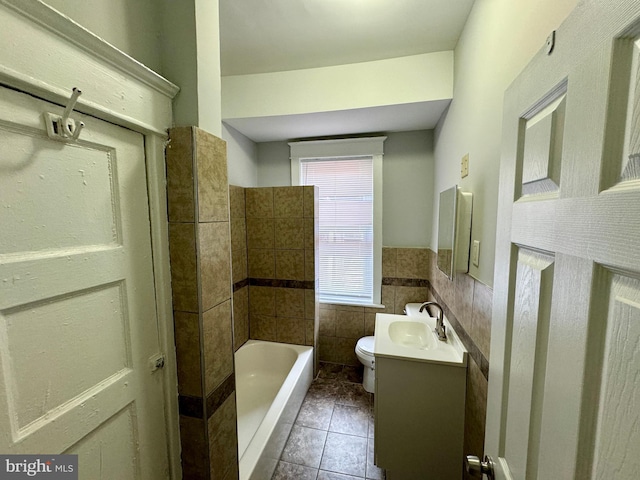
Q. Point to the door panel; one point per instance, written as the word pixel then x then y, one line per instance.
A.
pixel 78 323
pixel 530 334
pixel 617 439
pixel 564 395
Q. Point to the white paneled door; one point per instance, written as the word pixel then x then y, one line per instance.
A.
pixel 78 326
pixel 564 381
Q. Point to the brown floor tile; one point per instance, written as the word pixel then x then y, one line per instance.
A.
pixel 291 471
pixel 315 414
pixel 354 395
pixel 322 475
pixel 304 446
pixel 345 454
pixel 350 421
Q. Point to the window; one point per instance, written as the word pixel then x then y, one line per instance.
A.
pixel 348 174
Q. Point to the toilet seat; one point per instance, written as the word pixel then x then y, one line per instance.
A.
pixel 365 346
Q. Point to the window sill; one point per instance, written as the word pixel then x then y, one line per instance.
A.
pixel 352 304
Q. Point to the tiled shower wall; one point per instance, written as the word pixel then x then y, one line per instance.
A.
pixel 273 232
pixel 239 270
pixel 199 246
pixel 410 275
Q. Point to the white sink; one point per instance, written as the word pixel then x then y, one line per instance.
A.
pixel 408 337
pixel 412 334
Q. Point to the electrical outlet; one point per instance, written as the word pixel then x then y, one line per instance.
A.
pixel 464 166
pixel 475 253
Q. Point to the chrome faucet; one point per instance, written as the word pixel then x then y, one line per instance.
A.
pixel 440 329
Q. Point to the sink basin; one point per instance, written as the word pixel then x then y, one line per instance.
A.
pixel 411 334
pixel 409 337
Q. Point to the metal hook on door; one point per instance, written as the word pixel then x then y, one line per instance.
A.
pixel 62 127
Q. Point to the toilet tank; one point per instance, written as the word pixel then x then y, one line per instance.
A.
pixel 413 309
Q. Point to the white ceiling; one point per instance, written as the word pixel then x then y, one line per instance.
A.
pixel 258 36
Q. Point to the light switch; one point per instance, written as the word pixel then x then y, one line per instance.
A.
pixel 475 253
pixel 464 166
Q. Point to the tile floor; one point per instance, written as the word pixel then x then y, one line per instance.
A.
pixel 332 438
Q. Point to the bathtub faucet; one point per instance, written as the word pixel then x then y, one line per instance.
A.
pixel 440 329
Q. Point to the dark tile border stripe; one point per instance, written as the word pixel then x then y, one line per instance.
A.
pixel 220 394
pixel 467 341
pixel 241 284
pixel 272 282
pixel 190 406
pixel 405 282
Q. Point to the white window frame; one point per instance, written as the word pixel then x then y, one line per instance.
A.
pixel 351 147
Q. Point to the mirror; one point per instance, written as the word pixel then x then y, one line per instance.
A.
pixel 454 231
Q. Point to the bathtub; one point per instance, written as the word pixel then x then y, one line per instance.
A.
pixel 272 380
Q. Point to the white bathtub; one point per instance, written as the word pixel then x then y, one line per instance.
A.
pixel 272 380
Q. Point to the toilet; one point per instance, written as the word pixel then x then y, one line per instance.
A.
pixel 364 352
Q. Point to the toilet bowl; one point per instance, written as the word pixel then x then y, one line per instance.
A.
pixel 364 352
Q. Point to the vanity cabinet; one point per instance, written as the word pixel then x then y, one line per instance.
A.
pixel 419 419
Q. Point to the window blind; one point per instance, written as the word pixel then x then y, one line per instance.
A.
pixel 345 226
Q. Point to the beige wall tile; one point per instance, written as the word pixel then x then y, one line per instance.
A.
pixel 369 323
pixel 213 186
pixel 262 327
pixel 309 333
pixel 262 301
pixel 309 265
pixel 215 263
pixel 240 317
pixel 327 349
pixel 289 233
pixel 180 171
pixel 182 254
pixel 289 302
pixel 309 201
pixel 349 324
pixel 218 348
pixel 238 234
pixel 236 201
pixel 475 411
pixel 291 330
pixel 482 311
pixel 187 332
pixel 310 304
pixel 290 264
pixel 350 308
pixel 194 448
pixel 239 265
pixel 327 327
pixel 389 262
pixel 223 440
pixel 463 300
pixel 288 202
pixel 388 298
pixel 346 351
pixel 260 233
pixel 412 263
pixel 259 202
pixel 406 295
pixel 309 233
pixel 261 263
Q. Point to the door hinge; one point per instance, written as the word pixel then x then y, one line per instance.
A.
pixel 156 362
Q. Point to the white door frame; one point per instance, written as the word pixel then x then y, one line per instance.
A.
pixel 46 54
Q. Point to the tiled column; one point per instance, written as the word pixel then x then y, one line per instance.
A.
pixel 200 253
